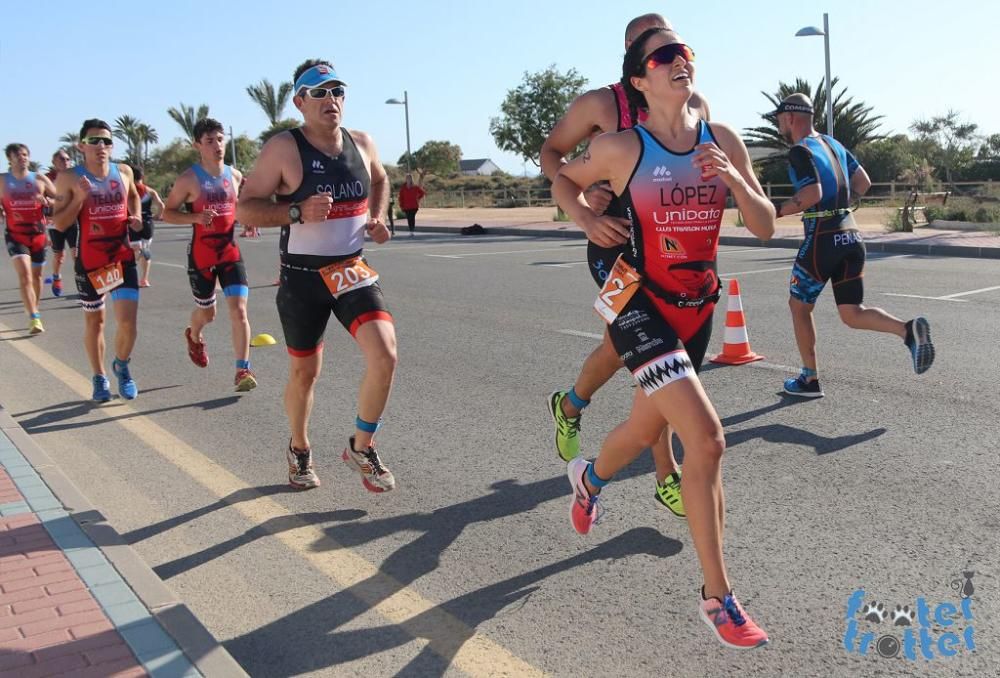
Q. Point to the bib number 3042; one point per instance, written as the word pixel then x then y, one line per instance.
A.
pixel 346 276
pixel 619 287
pixel 107 277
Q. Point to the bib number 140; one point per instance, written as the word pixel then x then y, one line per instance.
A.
pixel 107 277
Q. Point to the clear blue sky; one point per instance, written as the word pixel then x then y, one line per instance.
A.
pixel 61 62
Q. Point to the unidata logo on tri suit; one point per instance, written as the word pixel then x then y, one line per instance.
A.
pixel 914 629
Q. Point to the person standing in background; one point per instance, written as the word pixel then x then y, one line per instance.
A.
pixel 410 195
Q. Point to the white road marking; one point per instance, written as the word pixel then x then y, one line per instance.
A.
pixel 483 254
pixel 725 276
pixel 167 263
pixel 965 294
pixel 585 335
pixel 920 296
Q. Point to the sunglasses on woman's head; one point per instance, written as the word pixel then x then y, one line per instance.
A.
pixel 663 56
pixel 97 141
pixel 323 92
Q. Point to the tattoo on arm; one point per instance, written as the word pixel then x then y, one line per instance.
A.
pixel 586 155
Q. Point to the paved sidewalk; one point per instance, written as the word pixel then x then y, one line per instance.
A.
pixel 74 599
pixel 537 221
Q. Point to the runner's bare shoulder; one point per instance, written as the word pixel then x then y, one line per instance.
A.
pixel 699 105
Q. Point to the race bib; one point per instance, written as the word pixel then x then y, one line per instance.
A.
pixel 619 287
pixel 107 277
pixel 346 276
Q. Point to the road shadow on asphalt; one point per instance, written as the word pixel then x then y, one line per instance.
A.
pixel 267 528
pixel 21 337
pixel 309 639
pixel 46 310
pixel 783 433
pixel 45 422
pixel 438 529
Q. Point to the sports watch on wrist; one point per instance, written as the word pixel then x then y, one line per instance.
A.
pixel 295 213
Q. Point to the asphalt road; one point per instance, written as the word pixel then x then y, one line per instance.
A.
pixel 471 567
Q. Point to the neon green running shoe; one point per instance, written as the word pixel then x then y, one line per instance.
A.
pixel 567 428
pixel 35 326
pixel 669 494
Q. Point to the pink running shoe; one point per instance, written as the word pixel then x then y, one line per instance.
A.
pixel 732 625
pixel 583 512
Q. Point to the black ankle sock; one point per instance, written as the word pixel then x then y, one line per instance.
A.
pixel 909 333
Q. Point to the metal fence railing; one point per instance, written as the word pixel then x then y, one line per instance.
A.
pixel 881 193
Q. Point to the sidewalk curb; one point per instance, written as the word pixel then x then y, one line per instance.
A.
pixel 201 648
pixel 792 243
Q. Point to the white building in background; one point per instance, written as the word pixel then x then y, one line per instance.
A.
pixel 480 167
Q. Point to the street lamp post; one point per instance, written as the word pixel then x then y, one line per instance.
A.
pixel 405 103
pixel 825 32
pixel 232 139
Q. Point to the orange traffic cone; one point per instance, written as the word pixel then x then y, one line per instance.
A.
pixel 736 343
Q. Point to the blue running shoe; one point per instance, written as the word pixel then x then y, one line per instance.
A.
pixel 802 388
pixel 102 389
pixel 918 340
pixel 126 385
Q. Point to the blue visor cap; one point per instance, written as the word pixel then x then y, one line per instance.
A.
pixel 317 76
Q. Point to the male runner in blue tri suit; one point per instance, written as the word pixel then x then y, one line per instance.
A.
pixel 825 176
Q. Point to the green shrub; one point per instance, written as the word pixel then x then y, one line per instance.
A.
pixel 894 223
pixel 987 215
pixel 934 212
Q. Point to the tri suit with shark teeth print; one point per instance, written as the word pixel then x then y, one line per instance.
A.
pixel 662 334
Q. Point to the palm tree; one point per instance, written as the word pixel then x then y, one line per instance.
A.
pixel 126 128
pixel 147 135
pixel 853 123
pixel 270 101
pixel 71 139
pixel 186 117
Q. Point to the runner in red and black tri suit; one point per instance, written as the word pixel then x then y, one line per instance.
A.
pixel 61 241
pixel 331 190
pixel 101 195
pixel 209 190
pixel 26 196
pixel 606 110
pixel 142 241
pixel 672 173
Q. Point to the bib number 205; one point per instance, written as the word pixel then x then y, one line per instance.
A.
pixel 346 276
